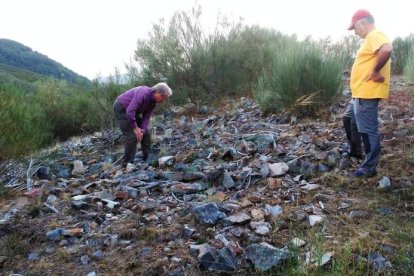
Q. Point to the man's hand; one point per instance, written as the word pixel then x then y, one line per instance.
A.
pixel 375 77
pixel 383 54
pixel 139 133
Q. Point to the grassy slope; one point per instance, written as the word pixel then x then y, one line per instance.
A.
pixel 349 240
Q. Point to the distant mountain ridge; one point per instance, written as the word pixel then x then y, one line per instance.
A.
pixel 16 55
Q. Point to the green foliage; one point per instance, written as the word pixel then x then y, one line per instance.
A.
pixel 409 69
pixel 50 110
pixel 17 55
pixel 171 53
pixel 71 110
pixel 103 95
pixel 402 52
pixel 233 62
pixel 200 67
pixel 14 245
pixel 303 77
pixel 24 128
pixel 345 49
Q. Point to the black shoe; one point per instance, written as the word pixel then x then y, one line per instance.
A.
pixel 362 172
pixel 145 157
pixel 356 155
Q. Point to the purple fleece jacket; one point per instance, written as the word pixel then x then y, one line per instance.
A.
pixel 138 100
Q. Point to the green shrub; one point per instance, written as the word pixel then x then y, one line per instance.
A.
pixel 24 128
pixel 71 110
pixel 303 77
pixel 345 49
pixel 402 51
pixel 103 95
pixel 200 67
pixel 409 69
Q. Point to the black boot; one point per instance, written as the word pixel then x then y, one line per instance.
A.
pixel 146 145
pixel 353 137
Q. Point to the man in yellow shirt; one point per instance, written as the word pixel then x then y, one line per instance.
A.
pixel 369 83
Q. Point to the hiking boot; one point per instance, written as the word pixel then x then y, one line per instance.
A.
pixel 145 157
pixel 363 172
pixel 357 155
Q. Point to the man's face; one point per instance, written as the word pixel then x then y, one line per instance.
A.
pixel 359 28
pixel 159 98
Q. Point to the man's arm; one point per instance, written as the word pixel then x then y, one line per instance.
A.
pixel 145 119
pixel 383 55
pixel 131 110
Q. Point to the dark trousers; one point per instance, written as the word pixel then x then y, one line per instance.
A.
pixel 131 138
pixel 351 130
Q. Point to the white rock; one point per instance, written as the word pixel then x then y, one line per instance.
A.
pixel 296 242
pixel 163 160
pixel 78 168
pixel 315 219
pixel 278 169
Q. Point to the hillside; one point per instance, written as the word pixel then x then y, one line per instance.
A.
pixel 226 189
pixel 15 56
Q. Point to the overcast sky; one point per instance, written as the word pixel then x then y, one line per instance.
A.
pixel 92 37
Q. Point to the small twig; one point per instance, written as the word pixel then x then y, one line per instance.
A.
pixel 248 176
pixel 28 179
pixel 116 162
pixel 176 198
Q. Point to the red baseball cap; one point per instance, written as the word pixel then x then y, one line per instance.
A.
pixel 359 14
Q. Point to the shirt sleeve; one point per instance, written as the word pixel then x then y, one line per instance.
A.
pixel 378 40
pixel 133 106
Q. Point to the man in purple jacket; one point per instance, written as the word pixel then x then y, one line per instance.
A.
pixel 128 107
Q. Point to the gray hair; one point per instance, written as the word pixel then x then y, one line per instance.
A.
pixel 163 88
pixel 369 19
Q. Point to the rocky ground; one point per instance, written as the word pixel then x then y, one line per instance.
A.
pixel 226 190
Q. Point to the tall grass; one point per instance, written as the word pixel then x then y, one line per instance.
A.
pixel 402 51
pixel 24 128
pixel 302 78
pixel 70 110
pixel 55 110
pixel 201 66
pixel 409 68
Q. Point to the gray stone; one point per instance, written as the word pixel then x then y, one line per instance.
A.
pixel 240 218
pixel 78 168
pixel 357 214
pixel 264 256
pixel 33 256
pixel 261 228
pixel 79 205
pixel 85 259
pixel 187 231
pixel 385 182
pixel 378 262
pixel 273 211
pixel 315 219
pixel 278 169
pixel 208 213
pixel 44 173
pixel 226 261
pixel 188 188
pixel 98 255
pixel 228 182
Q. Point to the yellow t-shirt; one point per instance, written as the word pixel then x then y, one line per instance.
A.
pixel 364 63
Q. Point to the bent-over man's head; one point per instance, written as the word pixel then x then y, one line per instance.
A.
pixel 161 92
